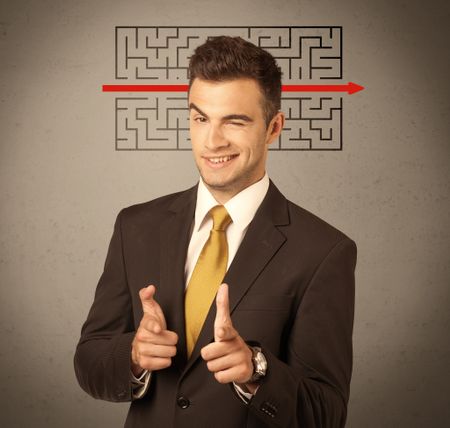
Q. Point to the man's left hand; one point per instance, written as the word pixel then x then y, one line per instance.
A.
pixel 228 357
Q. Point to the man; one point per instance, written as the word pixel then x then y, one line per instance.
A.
pixel 272 346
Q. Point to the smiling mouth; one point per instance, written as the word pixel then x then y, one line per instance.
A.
pixel 220 159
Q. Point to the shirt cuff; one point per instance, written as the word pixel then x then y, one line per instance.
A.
pixel 244 395
pixel 140 384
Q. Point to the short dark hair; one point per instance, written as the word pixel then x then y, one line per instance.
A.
pixel 225 58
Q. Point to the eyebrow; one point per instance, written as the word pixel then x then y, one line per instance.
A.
pixel 243 117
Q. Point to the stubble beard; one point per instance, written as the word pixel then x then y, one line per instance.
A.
pixel 231 186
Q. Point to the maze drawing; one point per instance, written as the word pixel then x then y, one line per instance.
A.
pixel 155 122
pixel 160 55
pixel 162 123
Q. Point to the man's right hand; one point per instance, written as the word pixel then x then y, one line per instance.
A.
pixel 153 345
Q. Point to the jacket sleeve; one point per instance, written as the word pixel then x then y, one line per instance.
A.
pixel 102 357
pixel 310 387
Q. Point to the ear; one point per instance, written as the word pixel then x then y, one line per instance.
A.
pixel 275 127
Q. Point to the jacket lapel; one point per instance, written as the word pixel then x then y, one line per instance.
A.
pixel 175 235
pixel 261 242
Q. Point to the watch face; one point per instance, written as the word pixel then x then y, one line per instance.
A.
pixel 260 363
pixel 263 361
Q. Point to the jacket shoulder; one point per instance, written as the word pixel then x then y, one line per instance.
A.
pixel 158 207
pixel 309 225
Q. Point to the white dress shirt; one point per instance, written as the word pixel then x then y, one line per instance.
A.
pixel 241 208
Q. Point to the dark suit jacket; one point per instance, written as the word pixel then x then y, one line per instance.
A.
pixel 291 290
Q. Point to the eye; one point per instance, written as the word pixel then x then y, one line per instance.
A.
pixel 200 119
pixel 237 123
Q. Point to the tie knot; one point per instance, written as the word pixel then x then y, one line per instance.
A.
pixel 220 216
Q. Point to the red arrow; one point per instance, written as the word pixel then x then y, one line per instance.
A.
pixel 145 88
pixel 350 88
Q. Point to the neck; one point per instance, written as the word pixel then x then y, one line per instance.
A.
pixel 222 195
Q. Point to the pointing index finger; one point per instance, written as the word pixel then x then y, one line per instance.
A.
pixel 223 327
pixel 223 306
pixel 150 306
pixel 146 295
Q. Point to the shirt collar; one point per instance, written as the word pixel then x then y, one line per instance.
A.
pixel 241 207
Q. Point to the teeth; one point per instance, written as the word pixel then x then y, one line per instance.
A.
pixel 221 159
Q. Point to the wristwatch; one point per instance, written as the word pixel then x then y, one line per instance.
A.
pixel 259 364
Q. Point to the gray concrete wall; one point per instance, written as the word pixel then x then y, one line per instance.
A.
pixel 62 184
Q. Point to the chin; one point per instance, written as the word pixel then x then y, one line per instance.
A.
pixel 212 178
pixel 217 184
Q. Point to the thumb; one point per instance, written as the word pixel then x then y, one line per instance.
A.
pixel 223 326
pixel 150 306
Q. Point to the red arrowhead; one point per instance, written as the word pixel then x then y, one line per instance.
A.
pixel 353 88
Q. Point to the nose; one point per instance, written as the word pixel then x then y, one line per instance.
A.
pixel 215 138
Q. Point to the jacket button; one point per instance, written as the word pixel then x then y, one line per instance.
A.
pixel 183 402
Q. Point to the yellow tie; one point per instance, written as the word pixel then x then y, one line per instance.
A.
pixel 208 274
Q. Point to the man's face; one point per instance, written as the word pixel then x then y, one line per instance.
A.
pixel 229 135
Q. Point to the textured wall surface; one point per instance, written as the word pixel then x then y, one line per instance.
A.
pixel 62 184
